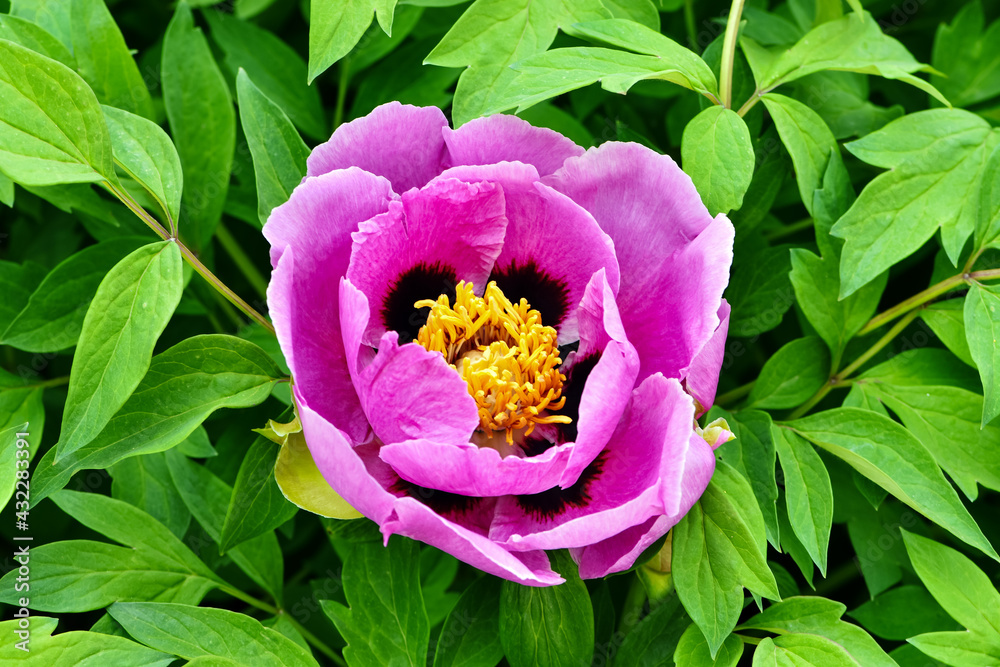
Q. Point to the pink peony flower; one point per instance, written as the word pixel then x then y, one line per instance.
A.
pixel 500 341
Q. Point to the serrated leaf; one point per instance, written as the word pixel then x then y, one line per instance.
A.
pixel 889 455
pixel 808 494
pixel 934 159
pixel 792 375
pixel 192 632
pixel 202 123
pixel 386 622
pixel 717 154
pixel 982 330
pixel 279 154
pixel 51 126
pixel 183 385
pixel 131 308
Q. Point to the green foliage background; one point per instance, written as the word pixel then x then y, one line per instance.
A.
pixel 854 145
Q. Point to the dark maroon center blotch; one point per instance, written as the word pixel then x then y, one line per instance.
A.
pixel 423 281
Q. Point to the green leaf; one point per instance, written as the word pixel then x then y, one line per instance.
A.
pixel 935 159
pixel 717 154
pixel 192 632
pixel 500 32
pixel 841 100
pixel 959 649
pixel 799 618
pixel 640 39
pixel 947 321
pixel 51 126
pixel 386 622
pixel 71 649
pixel 470 635
pixel 303 484
pixel 816 282
pixel 889 455
pixel 988 218
pixel 549 626
pixel 144 481
pixel 32 36
pixel 968 57
pixel 693 650
pixel 274 66
pixel 53 316
pixel 759 291
pixel 808 494
pixel 946 419
pixel 792 375
pixel 808 140
pixel 902 613
pixel 146 153
pixel 961 588
pixel 982 330
pixel 132 306
pixel 80 575
pixel 279 154
pixel 752 453
pixel 801 651
pixel 718 548
pixel 854 43
pixel 21 411
pixel 207 497
pixel 334 29
pixel 653 641
pixel 88 30
pixel 643 12
pixel 257 505
pixel 202 122
pixel 183 386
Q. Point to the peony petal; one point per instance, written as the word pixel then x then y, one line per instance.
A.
pixel 618 553
pixel 416 520
pixel 315 225
pixel 506 138
pixel 622 488
pixel 470 470
pixel 703 377
pixel 421 248
pixel 673 256
pixel 552 246
pixel 403 143
pixel 405 391
pixel 608 387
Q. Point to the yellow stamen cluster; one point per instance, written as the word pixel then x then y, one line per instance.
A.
pixel 501 349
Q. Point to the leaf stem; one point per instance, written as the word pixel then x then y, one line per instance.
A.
pixel 734 394
pixel 44 384
pixel 189 256
pixel 729 53
pixel 789 230
pixel 841 379
pixel 239 257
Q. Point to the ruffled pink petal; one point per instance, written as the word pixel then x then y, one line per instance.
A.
pixel 310 247
pixel 422 246
pixel 703 377
pixel 674 258
pixel 416 520
pixel 622 488
pixel 552 246
pixel 470 470
pixel 403 143
pixel 505 138
pixel 357 475
pixel 609 385
pixel 618 553
pixel 406 392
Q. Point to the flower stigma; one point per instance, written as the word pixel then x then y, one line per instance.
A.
pixel 508 359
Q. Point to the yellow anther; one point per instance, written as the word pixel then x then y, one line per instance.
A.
pixel 509 360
